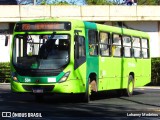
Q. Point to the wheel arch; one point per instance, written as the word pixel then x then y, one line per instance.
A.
pixel 93 81
pixel 92 76
pixel 133 75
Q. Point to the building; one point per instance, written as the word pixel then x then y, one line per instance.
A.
pixel 145 18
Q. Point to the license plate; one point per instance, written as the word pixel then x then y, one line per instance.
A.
pixel 37 90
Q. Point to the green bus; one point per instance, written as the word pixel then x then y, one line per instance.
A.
pixel 72 56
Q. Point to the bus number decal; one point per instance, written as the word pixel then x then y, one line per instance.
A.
pixel 27 80
pixel 51 79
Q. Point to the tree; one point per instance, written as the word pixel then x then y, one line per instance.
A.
pixel 98 2
pixel 58 2
pixel 147 2
pixel 42 2
pixel 25 2
pixel 140 2
pixel 55 2
pixel 158 2
pixel 85 2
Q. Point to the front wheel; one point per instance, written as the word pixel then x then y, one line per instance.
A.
pixel 130 86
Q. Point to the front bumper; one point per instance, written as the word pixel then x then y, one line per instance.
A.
pixel 70 86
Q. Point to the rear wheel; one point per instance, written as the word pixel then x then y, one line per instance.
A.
pixel 87 93
pixel 90 88
pixel 130 86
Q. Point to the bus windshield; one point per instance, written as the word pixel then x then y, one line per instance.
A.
pixel 41 51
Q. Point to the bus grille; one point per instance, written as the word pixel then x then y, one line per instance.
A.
pixel 46 88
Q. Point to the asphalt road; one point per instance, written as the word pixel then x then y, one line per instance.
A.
pixel 144 104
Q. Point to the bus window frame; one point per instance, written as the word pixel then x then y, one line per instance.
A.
pixel 148 48
pixel 121 47
pixel 109 44
pixel 78 60
pixel 140 56
pixel 92 45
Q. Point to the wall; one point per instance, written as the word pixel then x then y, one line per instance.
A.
pixel 145 18
pixel 90 13
pixel 4 50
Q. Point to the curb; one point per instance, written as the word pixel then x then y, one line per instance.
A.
pixel 150 87
pixel 4 83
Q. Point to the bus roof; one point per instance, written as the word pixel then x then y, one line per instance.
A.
pixel 100 27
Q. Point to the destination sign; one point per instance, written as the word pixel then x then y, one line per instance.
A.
pixel 42 26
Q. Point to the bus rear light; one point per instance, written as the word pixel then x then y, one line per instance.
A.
pixel 65 76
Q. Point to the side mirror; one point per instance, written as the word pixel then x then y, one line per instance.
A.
pixel 6 40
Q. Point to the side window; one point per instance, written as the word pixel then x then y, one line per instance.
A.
pixel 127 46
pixel 116 45
pixel 145 48
pixel 104 43
pixel 81 47
pixel 136 47
pixel 93 42
pixel 79 51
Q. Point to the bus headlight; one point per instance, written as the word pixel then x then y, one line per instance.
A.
pixel 65 76
pixel 14 76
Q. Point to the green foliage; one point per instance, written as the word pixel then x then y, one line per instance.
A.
pixel 147 2
pixel 89 2
pixel 158 2
pixel 5 72
pixel 118 2
pixel 140 2
pixel 43 2
pixel 58 2
pixel 98 2
pixel 62 3
pixel 155 71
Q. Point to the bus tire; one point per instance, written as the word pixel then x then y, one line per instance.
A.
pixel 87 93
pixel 130 86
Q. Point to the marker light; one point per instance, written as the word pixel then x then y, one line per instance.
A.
pixel 65 76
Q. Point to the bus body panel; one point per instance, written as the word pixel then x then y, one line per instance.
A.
pixel 92 61
pixel 111 72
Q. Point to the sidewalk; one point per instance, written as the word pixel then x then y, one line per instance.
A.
pixel 150 87
pixel 4 83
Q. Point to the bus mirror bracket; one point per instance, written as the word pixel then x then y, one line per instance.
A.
pixel 76 32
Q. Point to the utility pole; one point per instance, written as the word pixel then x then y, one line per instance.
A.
pixel 34 2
